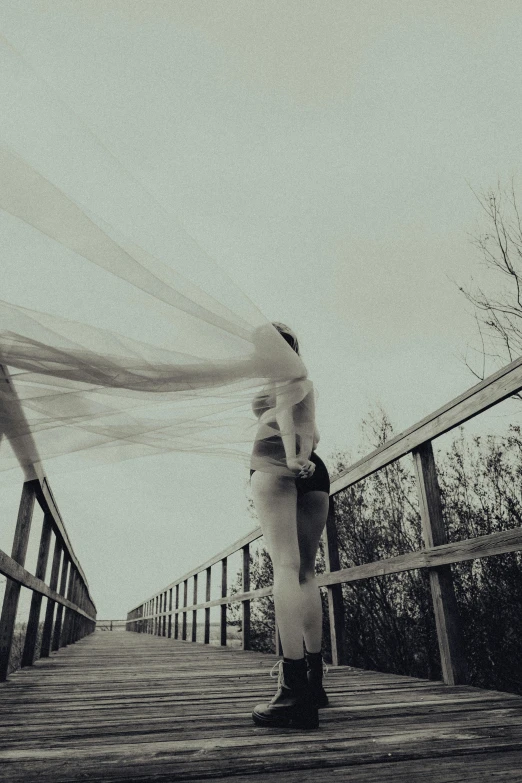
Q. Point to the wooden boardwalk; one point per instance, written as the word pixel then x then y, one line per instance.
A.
pixel 130 707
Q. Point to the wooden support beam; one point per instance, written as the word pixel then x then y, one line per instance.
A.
pixel 49 610
pixel 207 609
pixel 335 592
pixel 277 641
pixel 67 615
pixel 223 623
pixel 57 632
pixel 245 605
pixel 169 632
pixel 176 615
pixel 185 601
pixel 12 589
pixel 33 622
pixel 454 667
pixel 195 611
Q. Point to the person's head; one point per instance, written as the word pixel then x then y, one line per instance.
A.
pixel 288 335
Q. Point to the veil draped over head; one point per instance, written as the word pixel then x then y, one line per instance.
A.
pixel 119 337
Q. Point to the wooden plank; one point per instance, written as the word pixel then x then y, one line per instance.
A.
pixel 455 552
pixel 36 598
pixel 335 591
pixel 12 589
pixel 16 573
pixel 45 647
pixel 492 390
pixel 451 647
pixel 245 605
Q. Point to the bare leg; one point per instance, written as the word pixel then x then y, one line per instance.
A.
pixel 275 499
pixel 312 511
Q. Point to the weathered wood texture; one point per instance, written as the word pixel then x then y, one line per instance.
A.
pixel 36 599
pixel 451 645
pixel 245 607
pixel 223 619
pixel 136 707
pixel 45 647
pixel 335 591
pixel 492 390
pixel 12 588
pixel 80 610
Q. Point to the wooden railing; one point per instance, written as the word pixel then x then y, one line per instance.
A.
pixel 111 625
pixel 75 614
pixel 155 615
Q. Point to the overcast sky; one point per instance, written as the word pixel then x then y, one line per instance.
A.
pixel 323 154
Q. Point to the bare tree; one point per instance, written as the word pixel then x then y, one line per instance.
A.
pixel 498 304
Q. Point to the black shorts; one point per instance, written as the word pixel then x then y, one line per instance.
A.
pixel 319 482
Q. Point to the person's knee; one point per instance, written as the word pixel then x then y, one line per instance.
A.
pixel 306 573
pixel 286 568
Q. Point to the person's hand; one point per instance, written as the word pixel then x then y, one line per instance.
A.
pixel 301 468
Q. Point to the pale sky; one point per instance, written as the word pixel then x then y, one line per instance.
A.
pixel 322 153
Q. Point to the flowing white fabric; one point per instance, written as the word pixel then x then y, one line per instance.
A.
pixel 191 365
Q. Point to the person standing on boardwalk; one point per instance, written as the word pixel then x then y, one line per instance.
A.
pixel 292 506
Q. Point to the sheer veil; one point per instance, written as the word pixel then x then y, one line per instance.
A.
pixel 144 345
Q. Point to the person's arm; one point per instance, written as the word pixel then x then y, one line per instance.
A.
pixel 301 466
pixel 285 421
pixel 316 439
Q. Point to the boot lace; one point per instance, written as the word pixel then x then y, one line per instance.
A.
pixel 277 671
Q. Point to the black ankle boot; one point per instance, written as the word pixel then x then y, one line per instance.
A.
pixel 316 666
pixel 292 706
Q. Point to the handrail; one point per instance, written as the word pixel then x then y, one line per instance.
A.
pixel 494 389
pixel 75 609
pixel 153 615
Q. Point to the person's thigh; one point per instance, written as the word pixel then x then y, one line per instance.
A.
pixel 312 511
pixel 275 503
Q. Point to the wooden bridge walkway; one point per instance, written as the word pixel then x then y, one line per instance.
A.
pixel 135 707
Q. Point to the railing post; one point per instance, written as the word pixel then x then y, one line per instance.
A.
pixel 57 633
pixel 176 616
pixel 335 592
pixel 169 631
pixel 245 605
pixel 277 641
pixel 195 611
pixel 165 613
pixel 33 622
pixel 207 610
pixel 64 638
pixel 223 606
pixel 454 667
pixel 12 589
pixel 184 619
pixel 49 610
pixel 72 614
pixel 73 630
